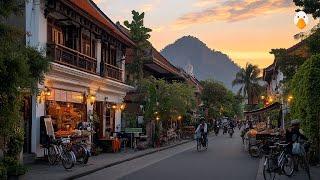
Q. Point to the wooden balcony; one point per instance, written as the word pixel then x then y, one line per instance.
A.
pixel 72 58
pixel 112 72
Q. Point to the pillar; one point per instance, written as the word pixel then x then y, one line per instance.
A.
pixel 117 120
pixel 98 54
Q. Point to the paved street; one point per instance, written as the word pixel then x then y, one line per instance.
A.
pixel 224 160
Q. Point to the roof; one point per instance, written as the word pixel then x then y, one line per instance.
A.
pixel 273 106
pixel 93 10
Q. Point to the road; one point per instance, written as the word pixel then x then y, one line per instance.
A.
pixel 225 159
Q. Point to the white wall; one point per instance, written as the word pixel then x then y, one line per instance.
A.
pixel 36 28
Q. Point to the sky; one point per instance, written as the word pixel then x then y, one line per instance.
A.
pixel 245 30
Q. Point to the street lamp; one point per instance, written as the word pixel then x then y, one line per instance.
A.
pixel 179 117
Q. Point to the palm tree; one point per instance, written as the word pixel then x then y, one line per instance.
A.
pixel 248 78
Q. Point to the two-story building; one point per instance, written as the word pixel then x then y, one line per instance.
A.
pixel 87 75
pixel 274 78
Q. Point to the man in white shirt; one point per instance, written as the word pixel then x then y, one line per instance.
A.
pixel 202 130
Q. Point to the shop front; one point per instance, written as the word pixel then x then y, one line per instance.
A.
pixel 80 106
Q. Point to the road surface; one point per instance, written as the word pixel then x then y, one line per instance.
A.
pixel 225 159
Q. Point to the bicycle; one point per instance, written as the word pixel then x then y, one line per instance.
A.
pixel 82 154
pixel 60 150
pixel 202 142
pixel 302 160
pixel 277 162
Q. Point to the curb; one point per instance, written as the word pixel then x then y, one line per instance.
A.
pixel 125 160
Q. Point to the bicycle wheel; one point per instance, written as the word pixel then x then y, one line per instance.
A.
pixel 81 153
pixel 288 165
pixel 305 166
pixel 254 151
pixel 52 155
pixel 198 145
pixel 269 170
pixel 68 159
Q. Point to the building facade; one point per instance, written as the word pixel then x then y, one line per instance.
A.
pixel 87 75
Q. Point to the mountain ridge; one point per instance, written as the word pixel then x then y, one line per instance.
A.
pixel 207 63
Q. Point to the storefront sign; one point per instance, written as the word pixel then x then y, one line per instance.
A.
pixel 133 130
pixel 65 96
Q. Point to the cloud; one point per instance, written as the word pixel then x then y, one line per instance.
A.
pixel 232 11
pixel 146 8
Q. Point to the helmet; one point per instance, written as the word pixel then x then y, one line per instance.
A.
pixel 295 122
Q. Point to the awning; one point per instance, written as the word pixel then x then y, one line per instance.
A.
pixel 271 107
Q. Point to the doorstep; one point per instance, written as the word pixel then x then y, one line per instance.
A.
pixel 43 171
pixel 300 175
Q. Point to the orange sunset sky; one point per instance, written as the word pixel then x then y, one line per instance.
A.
pixel 245 30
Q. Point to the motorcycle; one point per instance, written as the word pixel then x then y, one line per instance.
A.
pixel 230 131
pixel 216 130
pixel 225 129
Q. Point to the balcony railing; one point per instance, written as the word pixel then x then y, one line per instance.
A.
pixel 73 58
pixel 112 72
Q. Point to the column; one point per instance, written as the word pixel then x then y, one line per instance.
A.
pixel 98 53
pixel 117 120
pixel 123 67
pixel 36 28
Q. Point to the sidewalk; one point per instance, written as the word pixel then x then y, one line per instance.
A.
pixel 301 175
pixel 43 171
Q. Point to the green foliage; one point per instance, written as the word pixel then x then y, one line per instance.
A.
pixel 9 7
pixel 13 167
pixel 166 100
pixel 21 69
pixel 140 35
pixel 3 172
pixel 287 64
pixel 249 78
pixel 313 42
pixel 130 118
pixel 219 100
pixel 305 87
pixel 309 7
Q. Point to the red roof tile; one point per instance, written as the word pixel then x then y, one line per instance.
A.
pixel 92 9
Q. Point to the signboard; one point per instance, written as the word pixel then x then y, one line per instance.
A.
pixel 133 130
pixel 49 126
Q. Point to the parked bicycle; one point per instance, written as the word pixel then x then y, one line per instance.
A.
pixel 60 150
pixel 300 158
pixel 278 161
pixel 81 152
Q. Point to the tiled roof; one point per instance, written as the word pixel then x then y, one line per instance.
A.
pixel 92 9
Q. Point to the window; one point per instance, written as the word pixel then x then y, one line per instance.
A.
pixel 57 36
pixel 113 56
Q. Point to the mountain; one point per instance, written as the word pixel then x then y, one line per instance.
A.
pixel 207 63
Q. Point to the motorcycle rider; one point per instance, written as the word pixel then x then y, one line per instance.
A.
pixel 216 127
pixel 203 129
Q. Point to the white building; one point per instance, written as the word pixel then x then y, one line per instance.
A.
pixel 87 70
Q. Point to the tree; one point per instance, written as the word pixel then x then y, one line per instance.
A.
pixel 164 100
pixel 309 6
pixel 249 80
pixel 305 106
pixel 219 100
pixel 21 69
pixel 140 35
